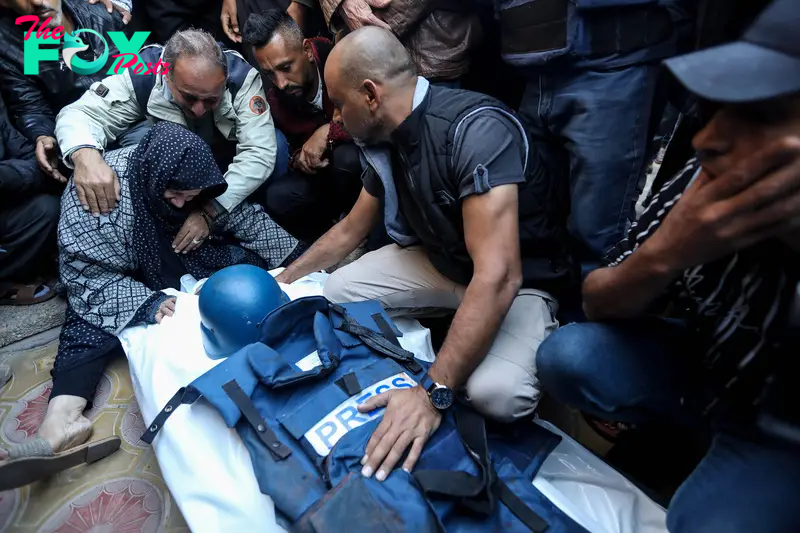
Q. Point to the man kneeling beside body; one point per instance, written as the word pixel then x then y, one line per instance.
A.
pixel 441 160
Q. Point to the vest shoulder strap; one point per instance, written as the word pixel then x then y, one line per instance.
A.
pixel 238 69
pixel 143 83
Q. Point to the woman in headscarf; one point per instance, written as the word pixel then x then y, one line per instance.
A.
pixel 114 268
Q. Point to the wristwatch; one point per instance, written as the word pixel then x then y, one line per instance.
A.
pixel 441 396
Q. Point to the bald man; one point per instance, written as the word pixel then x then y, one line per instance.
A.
pixel 475 228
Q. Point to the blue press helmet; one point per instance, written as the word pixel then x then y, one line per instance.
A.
pixel 233 301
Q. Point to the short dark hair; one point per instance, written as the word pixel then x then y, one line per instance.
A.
pixel 260 28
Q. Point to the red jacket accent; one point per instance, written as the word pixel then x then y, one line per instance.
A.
pixel 299 120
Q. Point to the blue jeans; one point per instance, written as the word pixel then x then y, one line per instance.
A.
pixel 595 127
pixel 282 156
pixel 259 196
pixel 640 371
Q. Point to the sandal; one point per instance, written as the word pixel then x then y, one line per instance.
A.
pixel 610 431
pixel 19 472
pixel 28 294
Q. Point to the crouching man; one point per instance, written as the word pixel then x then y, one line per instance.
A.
pixel 325 175
pixel 476 229
pixel 214 93
pixel 724 233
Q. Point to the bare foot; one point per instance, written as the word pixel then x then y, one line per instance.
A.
pixel 65 434
pixel 64 425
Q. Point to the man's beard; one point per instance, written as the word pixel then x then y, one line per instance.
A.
pixel 298 92
pixel 55 13
pixel 57 19
pixel 372 132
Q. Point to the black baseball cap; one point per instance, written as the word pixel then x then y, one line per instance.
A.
pixel 763 64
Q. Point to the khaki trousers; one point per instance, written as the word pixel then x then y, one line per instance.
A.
pixel 504 386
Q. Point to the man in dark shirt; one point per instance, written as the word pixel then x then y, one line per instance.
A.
pixel 722 241
pixel 460 194
pixel 324 176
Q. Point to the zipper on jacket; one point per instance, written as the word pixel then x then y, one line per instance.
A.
pixel 413 187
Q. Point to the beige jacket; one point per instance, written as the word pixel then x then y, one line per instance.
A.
pixel 96 121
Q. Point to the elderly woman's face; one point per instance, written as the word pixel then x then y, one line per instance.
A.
pixel 180 198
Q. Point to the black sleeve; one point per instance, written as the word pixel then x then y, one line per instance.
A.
pixel 15 145
pixel 19 178
pixel 28 107
pixel 372 184
pixel 146 314
pixel 19 172
pixel 489 150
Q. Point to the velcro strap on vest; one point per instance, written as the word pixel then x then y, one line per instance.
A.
pixel 477 493
pixel 277 449
pixel 183 396
pixel 385 328
pixel 349 384
pixel 520 509
pixel 376 341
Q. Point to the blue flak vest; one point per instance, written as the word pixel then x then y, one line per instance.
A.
pixel 293 399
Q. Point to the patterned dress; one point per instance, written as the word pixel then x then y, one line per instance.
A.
pixel 111 265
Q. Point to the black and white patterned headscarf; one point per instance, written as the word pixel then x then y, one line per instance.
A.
pixel 172 157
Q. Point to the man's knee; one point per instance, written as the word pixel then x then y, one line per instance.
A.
pixel 503 391
pixel 337 286
pixel 43 212
pixel 285 195
pixel 565 360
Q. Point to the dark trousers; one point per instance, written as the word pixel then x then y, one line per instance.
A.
pixel 596 127
pixel 168 16
pixel 28 237
pixel 83 352
pixel 309 205
pixel 645 371
pixel 82 379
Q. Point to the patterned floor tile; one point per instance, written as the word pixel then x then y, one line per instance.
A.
pixel 123 493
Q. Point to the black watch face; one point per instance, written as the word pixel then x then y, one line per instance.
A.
pixel 442 398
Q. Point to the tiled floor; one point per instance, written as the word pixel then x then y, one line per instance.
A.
pixel 122 493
